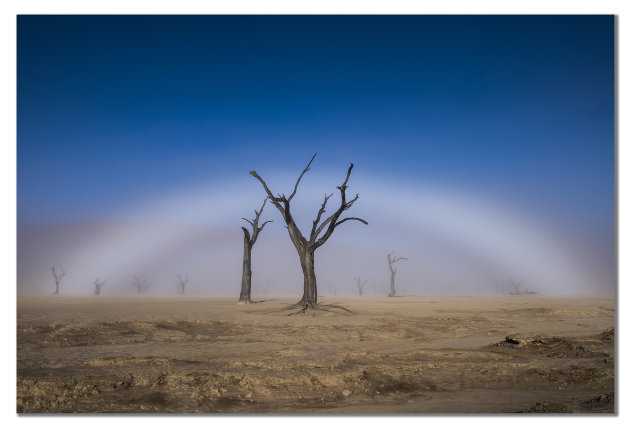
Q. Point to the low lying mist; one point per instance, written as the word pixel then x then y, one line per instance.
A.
pixel 456 242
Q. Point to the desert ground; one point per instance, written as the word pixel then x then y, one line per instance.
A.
pixel 147 354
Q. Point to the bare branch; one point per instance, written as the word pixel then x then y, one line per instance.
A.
pixel 394 259
pixel 351 202
pixel 306 169
pixel 351 218
pixel 246 232
pixel 248 221
pixel 283 205
pixel 323 225
pixel 258 213
pixel 321 211
pixel 263 225
pixel 344 184
pixel 274 200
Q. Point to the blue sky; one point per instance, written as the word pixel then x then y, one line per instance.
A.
pixel 117 111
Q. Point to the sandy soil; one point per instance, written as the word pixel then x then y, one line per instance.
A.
pixel 504 354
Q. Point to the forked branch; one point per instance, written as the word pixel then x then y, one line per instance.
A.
pixel 58 277
pixel 391 259
pixel 331 222
pixel 181 283
pixel 321 211
pixel 276 200
pixel 254 224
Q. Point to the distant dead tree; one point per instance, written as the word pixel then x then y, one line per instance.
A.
pixel 391 259
pixel 97 286
pixel 248 242
pixel 516 286
pixel 361 285
pixel 306 247
pixel 58 277
pixel 181 283
pixel 141 283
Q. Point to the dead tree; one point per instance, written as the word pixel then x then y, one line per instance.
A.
pixel 391 259
pixel 58 277
pixel 141 283
pixel 361 285
pixel 248 242
pixel 306 246
pixel 516 286
pixel 97 286
pixel 181 284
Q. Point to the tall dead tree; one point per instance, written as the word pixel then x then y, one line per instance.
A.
pixel 58 277
pixel 248 242
pixel 361 285
pixel 141 283
pixel 391 259
pixel 306 246
pixel 181 284
pixel 97 286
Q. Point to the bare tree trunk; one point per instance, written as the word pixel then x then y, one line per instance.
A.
pixel 246 280
pixel 248 243
pixel 182 280
pixel 307 261
pixel 361 285
pixel 392 286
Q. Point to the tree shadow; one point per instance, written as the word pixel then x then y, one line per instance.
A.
pixel 253 302
pixel 300 308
